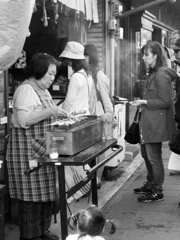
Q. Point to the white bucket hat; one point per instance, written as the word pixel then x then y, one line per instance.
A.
pixel 73 50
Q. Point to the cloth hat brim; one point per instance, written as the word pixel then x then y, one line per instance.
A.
pixel 68 54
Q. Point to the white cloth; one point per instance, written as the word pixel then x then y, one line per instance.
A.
pixel 15 18
pixel 174 162
pixel 88 7
pixel 25 100
pixel 87 237
pixel 95 11
pixel 77 98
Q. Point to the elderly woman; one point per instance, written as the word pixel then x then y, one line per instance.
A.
pixel 156 122
pixel 33 112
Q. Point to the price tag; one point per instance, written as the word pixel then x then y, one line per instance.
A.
pixel 3 120
pixel 55 87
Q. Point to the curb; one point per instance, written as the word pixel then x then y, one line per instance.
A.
pixel 109 189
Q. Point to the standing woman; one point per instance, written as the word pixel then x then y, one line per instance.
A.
pixel 77 101
pixel 102 84
pixel 81 83
pixel 156 122
pixel 33 112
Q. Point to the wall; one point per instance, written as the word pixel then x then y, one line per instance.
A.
pixel 95 34
pixel 164 12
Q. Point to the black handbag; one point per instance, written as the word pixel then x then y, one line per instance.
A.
pixel 132 134
pixel 174 142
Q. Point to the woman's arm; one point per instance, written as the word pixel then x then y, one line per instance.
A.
pixel 103 87
pixel 35 117
pixel 27 108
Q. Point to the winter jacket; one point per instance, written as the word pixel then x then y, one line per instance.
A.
pixel 157 117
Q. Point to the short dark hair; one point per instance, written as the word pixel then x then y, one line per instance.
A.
pixel 90 221
pixel 157 49
pixel 39 65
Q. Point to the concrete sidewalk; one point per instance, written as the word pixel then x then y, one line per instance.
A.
pixel 136 221
pixel 146 221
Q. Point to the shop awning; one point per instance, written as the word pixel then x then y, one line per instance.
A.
pixel 88 7
pixel 15 18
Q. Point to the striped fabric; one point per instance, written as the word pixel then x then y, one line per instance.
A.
pixel 25 145
pixel 73 176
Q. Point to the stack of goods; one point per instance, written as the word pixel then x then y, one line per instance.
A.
pixel 60 86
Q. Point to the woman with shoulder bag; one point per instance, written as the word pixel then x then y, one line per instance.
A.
pixel 157 120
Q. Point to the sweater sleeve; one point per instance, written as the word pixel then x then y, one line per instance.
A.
pixel 25 100
pixel 103 87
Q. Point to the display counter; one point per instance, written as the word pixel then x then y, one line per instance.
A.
pixel 87 156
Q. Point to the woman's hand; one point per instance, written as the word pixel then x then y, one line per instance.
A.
pixel 57 111
pixel 138 103
pixel 114 122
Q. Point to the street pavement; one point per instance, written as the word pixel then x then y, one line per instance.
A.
pixel 146 221
pixel 135 220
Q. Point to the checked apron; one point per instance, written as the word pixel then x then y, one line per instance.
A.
pixel 26 145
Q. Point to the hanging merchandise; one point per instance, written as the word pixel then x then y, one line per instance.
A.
pixel 77 20
pixel 66 11
pixel 88 7
pixel 62 27
pixel 21 62
pixel 44 18
pixel 56 15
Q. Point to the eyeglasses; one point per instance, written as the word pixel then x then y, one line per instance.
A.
pixel 176 50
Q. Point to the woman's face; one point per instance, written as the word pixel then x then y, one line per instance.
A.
pixel 46 81
pixel 149 58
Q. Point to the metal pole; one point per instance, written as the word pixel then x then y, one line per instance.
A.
pixel 112 45
pixel 140 8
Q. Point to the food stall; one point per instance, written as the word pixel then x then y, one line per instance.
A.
pixel 78 143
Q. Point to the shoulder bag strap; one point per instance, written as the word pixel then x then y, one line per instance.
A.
pixel 136 119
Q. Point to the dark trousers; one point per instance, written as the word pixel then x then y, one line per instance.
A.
pixel 152 154
pixel 33 218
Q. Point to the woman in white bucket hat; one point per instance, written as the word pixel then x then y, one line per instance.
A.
pixel 81 85
pixel 79 99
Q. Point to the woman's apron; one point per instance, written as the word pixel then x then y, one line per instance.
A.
pixel 26 145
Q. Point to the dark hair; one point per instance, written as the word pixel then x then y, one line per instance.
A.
pixel 91 51
pixel 39 65
pixel 78 64
pixel 158 50
pixel 90 221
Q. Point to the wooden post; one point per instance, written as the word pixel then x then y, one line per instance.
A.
pixel 2 193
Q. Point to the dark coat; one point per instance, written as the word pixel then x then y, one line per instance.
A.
pixel 157 117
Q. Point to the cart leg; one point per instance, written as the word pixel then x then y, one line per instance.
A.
pixel 62 202
pixel 94 185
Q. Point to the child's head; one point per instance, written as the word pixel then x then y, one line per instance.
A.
pixel 90 221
